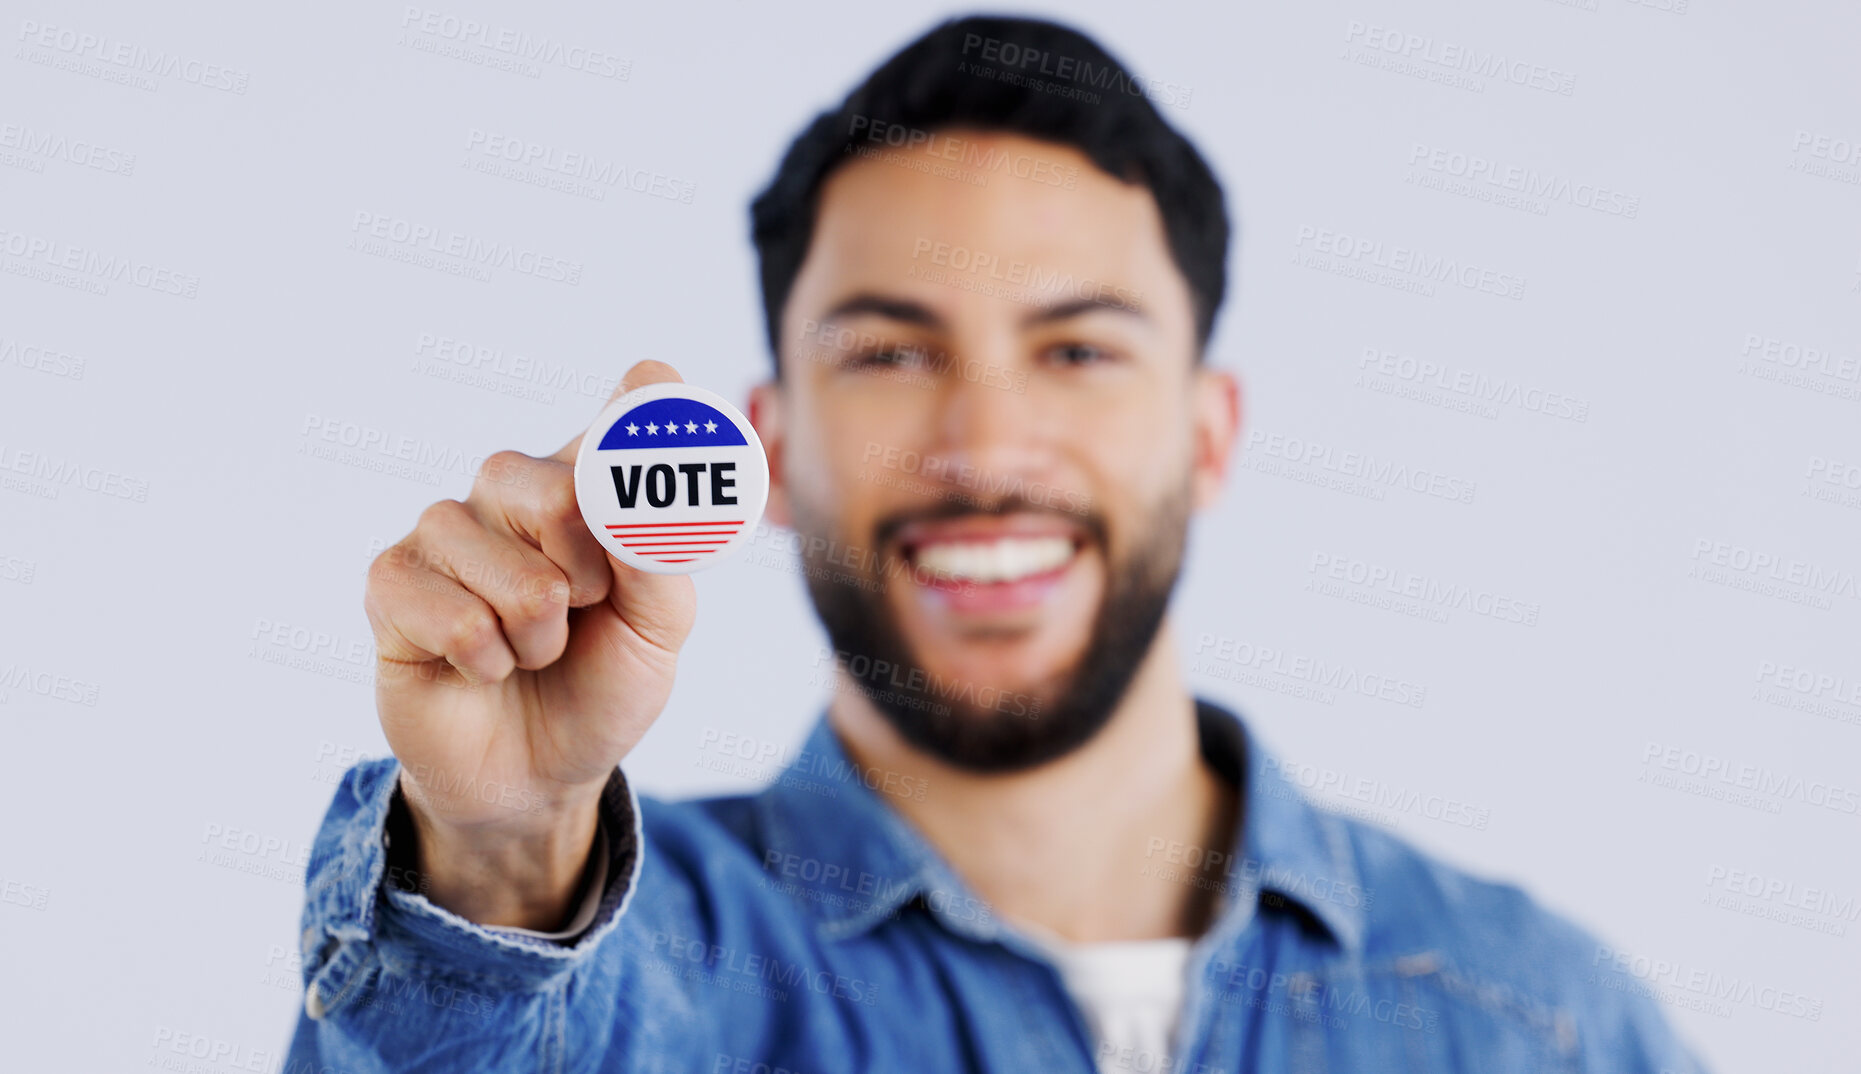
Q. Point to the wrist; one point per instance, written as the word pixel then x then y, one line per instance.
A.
pixel 522 870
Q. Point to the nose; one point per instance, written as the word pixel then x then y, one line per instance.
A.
pixel 987 434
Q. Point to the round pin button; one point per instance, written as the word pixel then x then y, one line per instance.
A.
pixel 671 479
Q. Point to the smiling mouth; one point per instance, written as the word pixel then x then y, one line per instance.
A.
pixel 986 561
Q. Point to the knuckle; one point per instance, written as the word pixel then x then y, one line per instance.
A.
pixel 537 596
pixel 380 570
pixel 389 568
pixel 556 495
pixel 375 602
pixel 443 516
pixel 375 595
pixel 506 468
pixel 472 634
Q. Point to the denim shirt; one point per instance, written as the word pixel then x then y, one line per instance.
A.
pixel 810 929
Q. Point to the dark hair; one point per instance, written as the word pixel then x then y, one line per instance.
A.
pixel 1021 76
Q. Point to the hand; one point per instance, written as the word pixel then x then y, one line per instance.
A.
pixel 518 664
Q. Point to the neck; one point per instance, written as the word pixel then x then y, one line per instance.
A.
pixel 1070 847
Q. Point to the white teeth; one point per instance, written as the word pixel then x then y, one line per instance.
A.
pixel 1001 560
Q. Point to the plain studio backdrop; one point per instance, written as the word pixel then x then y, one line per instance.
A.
pixel 1546 558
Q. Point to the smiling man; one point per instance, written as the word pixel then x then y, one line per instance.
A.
pixel 1015 841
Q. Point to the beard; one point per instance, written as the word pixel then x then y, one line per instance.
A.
pixel 956 721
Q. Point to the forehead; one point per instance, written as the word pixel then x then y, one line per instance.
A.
pixel 980 202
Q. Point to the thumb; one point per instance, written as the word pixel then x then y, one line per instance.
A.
pixel 642 374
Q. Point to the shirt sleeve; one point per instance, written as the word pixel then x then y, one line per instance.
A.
pixel 393 981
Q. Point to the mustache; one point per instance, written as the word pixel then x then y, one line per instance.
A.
pixel 886 529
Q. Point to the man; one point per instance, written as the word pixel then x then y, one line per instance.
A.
pixel 1015 842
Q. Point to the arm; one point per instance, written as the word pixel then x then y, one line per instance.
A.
pixel 519 664
pixel 393 981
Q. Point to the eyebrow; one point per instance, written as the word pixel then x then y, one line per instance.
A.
pixel 896 309
pixel 1080 307
pixel 911 311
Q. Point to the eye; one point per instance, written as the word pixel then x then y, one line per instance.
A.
pixel 1077 354
pixel 889 358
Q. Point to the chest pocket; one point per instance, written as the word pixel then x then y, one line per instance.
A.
pixel 1417 1013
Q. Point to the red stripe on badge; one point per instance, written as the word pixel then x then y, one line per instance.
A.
pixel 647 525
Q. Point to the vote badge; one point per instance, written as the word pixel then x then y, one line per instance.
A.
pixel 671 479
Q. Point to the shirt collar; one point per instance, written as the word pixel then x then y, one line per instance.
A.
pixel 1289 856
pixel 834 841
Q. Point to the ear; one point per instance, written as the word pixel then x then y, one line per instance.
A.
pixel 1217 414
pixel 767 414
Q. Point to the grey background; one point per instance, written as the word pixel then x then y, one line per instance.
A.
pixel 183 655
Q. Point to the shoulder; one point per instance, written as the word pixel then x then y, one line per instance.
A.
pixel 1416 900
pixel 1489 944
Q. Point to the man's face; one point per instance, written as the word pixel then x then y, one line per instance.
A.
pixel 992 423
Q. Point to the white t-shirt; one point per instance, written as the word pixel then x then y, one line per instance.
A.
pixel 1131 993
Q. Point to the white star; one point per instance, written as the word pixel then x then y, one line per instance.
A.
pixel 672 427
pixel 710 426
pixel 632 429
pixel 691 426
pixel 651 429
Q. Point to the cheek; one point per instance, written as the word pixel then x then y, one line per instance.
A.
pixel 1140 506
pixel 1135 463
pixel 862 435
pixel 808 480
pixel 837 455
